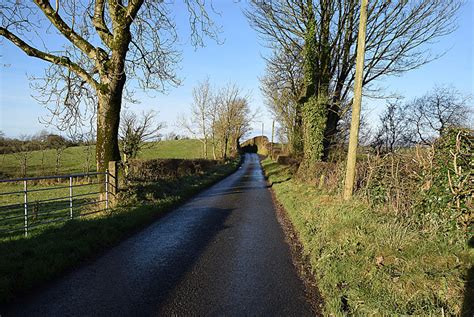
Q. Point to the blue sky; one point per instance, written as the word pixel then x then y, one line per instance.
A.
pixel 238 60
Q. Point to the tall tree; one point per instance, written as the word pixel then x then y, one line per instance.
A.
pixel 282 86
pixel 104 44
pixel 324 31
pixel 232 118
pixel 135 132
pixel 394 130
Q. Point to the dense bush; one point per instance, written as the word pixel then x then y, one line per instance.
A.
pixel 165 169
pixel 450 180
pixel 432 183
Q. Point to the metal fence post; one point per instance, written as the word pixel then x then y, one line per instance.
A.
pixel 70 197
pixel 106 189
pixel 25 187
pixel 113 183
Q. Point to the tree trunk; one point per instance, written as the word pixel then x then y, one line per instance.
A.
pixel 112 80
pixel 238 144
pixel 314 122
pixel 330 131
pixel 226 140
pixel 214 156
pixel 297 134
pixel 108 120
pixel 315 101
pixel 333 117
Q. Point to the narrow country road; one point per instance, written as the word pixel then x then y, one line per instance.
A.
pixel 222 253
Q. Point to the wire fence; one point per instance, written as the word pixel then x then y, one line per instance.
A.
pixel 32 202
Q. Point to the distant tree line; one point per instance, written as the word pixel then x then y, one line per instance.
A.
pixel 22 148
pixel 42 140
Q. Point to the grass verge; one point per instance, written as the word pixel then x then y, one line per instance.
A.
pixel 47 253
pixel 367 262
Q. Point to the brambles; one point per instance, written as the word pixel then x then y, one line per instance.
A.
pixel 426 183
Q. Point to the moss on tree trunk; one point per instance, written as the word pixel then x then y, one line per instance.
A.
pixel 315 98
pixel 314 124
pixel 108 120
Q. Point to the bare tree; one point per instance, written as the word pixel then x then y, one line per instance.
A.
pixel 232 118
pixel 3 146
pixel 22 152
pixel 213 115
pixel 398 33
pixel 41 141
pixel 437 110
pixel 394 130
pixel 135 133
pixel 282 87
pixel 59 144
pixel 199 123
pixel 88 141
pixel 105 43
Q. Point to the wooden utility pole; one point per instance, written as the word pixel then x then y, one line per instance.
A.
pixel 355 122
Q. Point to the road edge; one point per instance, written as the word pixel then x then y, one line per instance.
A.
pixel 300 261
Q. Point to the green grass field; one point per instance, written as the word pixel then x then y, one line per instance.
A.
pixel 74 159
pixel 372 263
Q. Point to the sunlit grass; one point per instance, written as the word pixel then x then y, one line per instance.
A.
pixel 375 262
pixel 74 159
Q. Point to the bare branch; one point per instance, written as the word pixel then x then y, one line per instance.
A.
pixel 100 25
pixel 58 60
pixel 62 27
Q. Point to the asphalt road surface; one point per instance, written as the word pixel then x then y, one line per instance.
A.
pixel 222 253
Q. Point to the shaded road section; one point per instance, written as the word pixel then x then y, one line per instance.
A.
pixel 221 253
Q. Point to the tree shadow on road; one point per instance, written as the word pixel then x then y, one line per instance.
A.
pixel 148 265
pixel 179 251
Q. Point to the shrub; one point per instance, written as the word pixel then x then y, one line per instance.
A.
pixel 450 181
pixel 166 169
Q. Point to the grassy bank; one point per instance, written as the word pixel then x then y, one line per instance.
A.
pixel 372 262
pixel 46 254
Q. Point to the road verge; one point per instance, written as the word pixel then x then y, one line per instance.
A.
pixel 368 262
